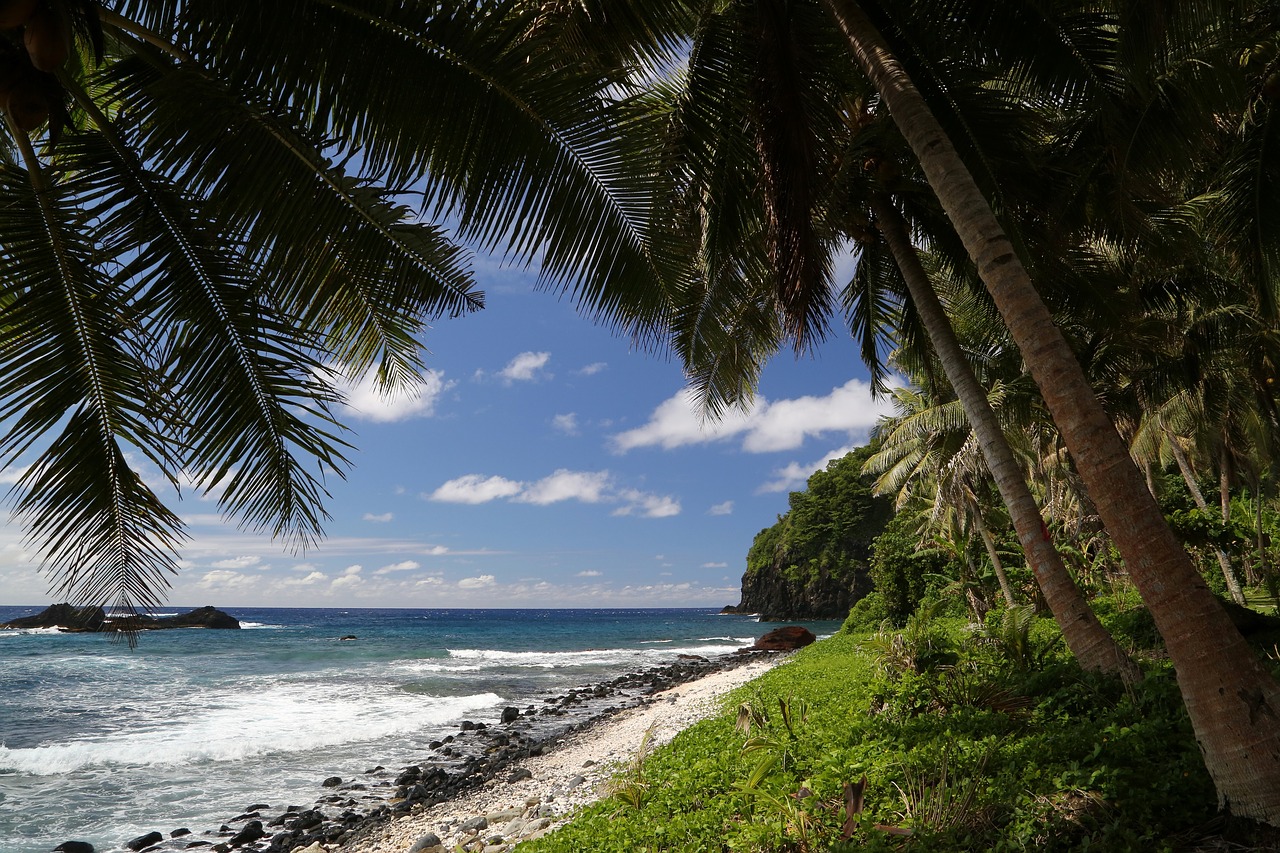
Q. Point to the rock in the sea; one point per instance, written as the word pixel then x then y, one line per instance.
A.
pixel 510 715
pixel 74 847
pixel 180 832
pixel 144 841
pixel 62 616
pixel 785 639
pixel 252 832
pixel 331 782
pixel 203 617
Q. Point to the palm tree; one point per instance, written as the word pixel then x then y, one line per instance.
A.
pixel 1230 697
pixel 207 223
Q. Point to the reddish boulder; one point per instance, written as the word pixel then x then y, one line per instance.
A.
pixel 785 639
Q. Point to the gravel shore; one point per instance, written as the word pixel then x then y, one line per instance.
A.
pixel 544 790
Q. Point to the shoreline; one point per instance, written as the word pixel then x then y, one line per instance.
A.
pixel 491 784
pixel 573 772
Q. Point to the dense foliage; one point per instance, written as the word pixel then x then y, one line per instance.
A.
pixel 986 740
pixel 821 546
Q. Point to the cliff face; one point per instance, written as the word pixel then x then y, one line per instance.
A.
pixel 813 563
pixel 780 599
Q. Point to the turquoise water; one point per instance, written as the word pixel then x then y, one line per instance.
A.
pixel 102 743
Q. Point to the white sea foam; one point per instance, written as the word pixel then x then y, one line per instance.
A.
pixel 26 632
pixel 590 657
pixel 283 719
pixel 258 625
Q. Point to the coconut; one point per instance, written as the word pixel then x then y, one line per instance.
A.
pixel 14 13
pixel 48 39
pixel 28 105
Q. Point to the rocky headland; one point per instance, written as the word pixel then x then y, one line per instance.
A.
pixel 67 617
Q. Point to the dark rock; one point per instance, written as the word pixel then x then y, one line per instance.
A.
pixel 374 770
pixel 258 807
pixel 143 841
pixel 178 833
pixel 74 847
pixel 247 816
pixel 729 610
pixel 204 617
pixel 331 782
pixel 510 715
pixel 576 781
pixel 62 616
pixel 467 725
pixel 348 637
pixel 252 832
pixel 477 823
pixel 520 774
pixel 426 842
pixel 785 639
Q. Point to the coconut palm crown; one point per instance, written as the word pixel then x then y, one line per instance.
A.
pixel 213 212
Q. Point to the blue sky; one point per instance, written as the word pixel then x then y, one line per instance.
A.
pixel 545 464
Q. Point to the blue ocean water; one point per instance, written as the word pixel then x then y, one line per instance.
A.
pixel 103 743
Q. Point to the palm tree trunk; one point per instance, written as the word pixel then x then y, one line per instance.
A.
pixel 989 542
pixel 1189 477
pixel 1232 700
pixel 1092 645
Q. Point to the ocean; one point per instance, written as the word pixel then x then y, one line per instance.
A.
pixel 103 743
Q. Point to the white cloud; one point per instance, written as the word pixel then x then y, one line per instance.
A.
pixel 431 581
pixel 437 551
pixel 476 489
pixel 346 582
pixel 590 573
pixel 237 562
pixel 592 369
pixel 367 401
pixel 11 475
pixel 567 424
pixel 225 581
pixel 476 583
pixel 309 580
pixel 766 427
pixel 715 565
pixel 563 485
pixel 350 571
pixel 403 566
pixel 647 505
pixel 795 475
pixel 380 519
pixel 525 367
pixel 725 508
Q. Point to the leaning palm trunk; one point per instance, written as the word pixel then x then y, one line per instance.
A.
pixel 1092 645
pixel 1189 477
pixel 1232 701
pixel 997 566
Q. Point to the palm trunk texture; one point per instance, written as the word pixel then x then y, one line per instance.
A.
pixel 1092 644
pixel 1232 701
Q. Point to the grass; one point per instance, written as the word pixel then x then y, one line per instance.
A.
pixel 926 738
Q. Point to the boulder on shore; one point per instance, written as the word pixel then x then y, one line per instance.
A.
pixel 68 618
pixel 785 639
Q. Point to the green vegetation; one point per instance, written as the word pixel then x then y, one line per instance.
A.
pixel 815 559
pixel 933 737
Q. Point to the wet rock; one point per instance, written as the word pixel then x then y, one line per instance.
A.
pixel 510 715
pixel 252 832
pixel 74 847
pixel 180 832
pixel 144 841
pixel 63 616
pixel 520 774
pixel 331 782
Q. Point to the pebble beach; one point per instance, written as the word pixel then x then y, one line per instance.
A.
pixel 575 772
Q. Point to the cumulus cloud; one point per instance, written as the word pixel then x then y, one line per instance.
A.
pixel 368 402
pixel 563 485
pixel 525 367
pixel 477 582
pixel 725 508
pixel 476 489
pixel 310 580
pixel 589 573
pixel 225 581
pixel 795 475
pixel 403 566
pixel 591 369
pixel 590 487
pixel 237 562
pixel 647 505
pixel 380 519
pixel 567 424
pixel 715 565
pixel 766 427
pixel 11 475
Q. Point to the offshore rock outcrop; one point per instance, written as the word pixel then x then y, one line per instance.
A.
pixel 66 617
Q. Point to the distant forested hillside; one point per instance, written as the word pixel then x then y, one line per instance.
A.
pixel 813 563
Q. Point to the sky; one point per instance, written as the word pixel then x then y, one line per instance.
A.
pixel 546 463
